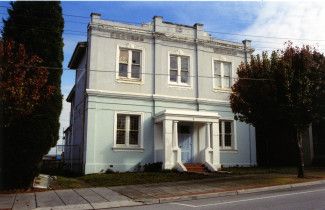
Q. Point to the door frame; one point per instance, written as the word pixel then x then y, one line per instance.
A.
pixel 190 133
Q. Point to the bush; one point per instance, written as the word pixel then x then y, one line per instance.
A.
pixel 153 167
pixel 109 171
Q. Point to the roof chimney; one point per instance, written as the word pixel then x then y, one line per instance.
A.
pixel 95 16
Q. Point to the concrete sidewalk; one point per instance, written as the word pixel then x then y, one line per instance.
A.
pixel 98 198
pixel 196 189
pixel 85 198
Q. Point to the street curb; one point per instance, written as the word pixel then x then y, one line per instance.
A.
pixel 229 193
pixel 197 196
pixel 106 205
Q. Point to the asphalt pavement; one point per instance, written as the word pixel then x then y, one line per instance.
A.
pixel 304 198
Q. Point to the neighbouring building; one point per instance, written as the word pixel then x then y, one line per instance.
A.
pixel 156 92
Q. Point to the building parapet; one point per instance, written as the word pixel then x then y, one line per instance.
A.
pixel 165 31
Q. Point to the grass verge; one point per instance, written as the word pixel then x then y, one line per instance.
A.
pixel 259 176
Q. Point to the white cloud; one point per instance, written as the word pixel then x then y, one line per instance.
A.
pixel 291 20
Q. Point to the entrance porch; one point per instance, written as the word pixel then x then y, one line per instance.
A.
pixel 183 137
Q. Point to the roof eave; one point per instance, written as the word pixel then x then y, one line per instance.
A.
pixel 77 55
pixel 71 94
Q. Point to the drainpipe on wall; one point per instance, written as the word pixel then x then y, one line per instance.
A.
pixel 247 44
pixel 82 150
pixel 198 29
pixel 157 20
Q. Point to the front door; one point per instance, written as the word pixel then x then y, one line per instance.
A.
pixel 185 143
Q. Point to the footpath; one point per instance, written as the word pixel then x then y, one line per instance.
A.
pixel 132 195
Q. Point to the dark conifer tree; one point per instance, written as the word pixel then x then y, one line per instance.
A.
pixel 39 27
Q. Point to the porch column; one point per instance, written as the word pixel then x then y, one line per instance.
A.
pixel 215 144
pixel 177 153
pixel 208 135
pixel 175 134
pixel 208 151
pixel 167 143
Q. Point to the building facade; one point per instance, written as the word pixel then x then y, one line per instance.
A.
pixel 158 92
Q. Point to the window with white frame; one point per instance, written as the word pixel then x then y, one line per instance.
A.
pixel 226 134
pixel 222 74
pixel 179 69
pixel 127 130
pixel 129 64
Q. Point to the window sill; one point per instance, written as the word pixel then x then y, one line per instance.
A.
pixel 223 90
pixel 130 81
pixel 180 85
pixel 228 150
pixel 128 149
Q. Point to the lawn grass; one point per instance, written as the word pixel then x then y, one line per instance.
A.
pixel 128 178
pixel 261 170
pixel 257 175
pixel 309 171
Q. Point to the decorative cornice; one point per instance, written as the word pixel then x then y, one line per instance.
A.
pixel 155 97
pixel 138 34
pixel 213 102
pixel 186 115
pixel 166 98
pixel 116 94
pixel 121 33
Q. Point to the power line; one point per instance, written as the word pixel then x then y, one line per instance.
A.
pixel 115 73
pixel 98 70
pixel 68 15
pixel 201 50
pixel 267 37
pixel 68 21
pixel 85 33
pixel 213 32
pixel 44 28
pixel 181 47
pixel 82 33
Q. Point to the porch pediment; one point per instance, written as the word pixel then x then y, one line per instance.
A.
pixel 186 115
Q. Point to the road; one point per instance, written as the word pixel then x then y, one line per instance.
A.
pixel 302 198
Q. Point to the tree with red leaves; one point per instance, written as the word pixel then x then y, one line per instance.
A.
pixel 23 82
pixel 286 88
pixel 23 86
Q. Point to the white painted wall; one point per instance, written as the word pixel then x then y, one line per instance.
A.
pixel 153 94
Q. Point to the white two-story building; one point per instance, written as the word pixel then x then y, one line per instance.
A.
pixel 158 92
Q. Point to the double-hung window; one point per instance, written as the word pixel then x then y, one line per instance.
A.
pixel 129 64
pixel 179 69
pixel 226 134
pixel 222 75
pixel 127 130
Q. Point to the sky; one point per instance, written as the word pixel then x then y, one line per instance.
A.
pixel 267 24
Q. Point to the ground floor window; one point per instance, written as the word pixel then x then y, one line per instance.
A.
pixel 127 129
pixel 226 134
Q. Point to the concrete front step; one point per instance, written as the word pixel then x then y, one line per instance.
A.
pixel 195 167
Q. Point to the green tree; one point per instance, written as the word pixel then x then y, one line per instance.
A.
pixel 39 27
pixel 286 88
pixel 23 86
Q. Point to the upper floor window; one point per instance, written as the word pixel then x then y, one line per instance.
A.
pixel 129 64
pixel 127 129
pixel 226 134
pixel 222 75
pixel 179 69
